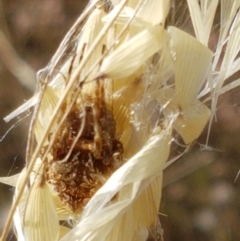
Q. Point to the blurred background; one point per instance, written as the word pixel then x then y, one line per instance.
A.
pixel 200 200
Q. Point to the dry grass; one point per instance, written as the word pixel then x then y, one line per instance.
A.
pixel 121 87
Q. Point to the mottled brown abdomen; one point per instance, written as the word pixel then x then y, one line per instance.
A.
pixel 78 173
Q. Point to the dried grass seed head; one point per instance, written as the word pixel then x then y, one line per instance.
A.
pixel 94 108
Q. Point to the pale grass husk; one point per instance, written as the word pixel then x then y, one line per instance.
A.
pixel 153 77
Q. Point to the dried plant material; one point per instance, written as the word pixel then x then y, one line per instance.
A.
pixel 89 36
pixel 228 13
pixel 186 52
pixel 20 210
pixel 26 106
pixel 150 197
pixel 191 122
pixel 11 180
pixel 63 231
pixel 40 218
pixel 191 116
pixel 135 51
pixel 202 18
pixel 231 53
pixel 48 103
pixel 122 99
pixel 154 12
pixel 225 61
pixel 229 87
pixel 142 166
pixel 104 113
